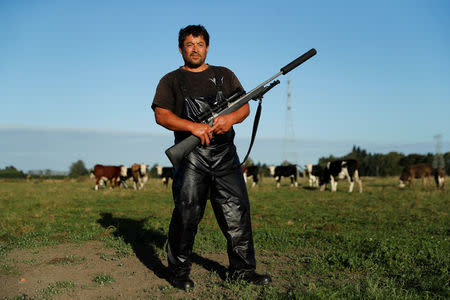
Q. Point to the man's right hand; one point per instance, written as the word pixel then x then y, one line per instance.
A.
pixel 203 132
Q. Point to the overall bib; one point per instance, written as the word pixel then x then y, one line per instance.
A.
pixel 214 173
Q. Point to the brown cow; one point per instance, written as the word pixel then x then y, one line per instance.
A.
pixel 111 173
pixel 140 175
pixel 439 177
pixel 413 172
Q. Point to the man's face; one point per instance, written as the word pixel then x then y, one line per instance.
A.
pixel 194 51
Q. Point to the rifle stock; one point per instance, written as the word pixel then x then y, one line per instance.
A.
pixel 177 152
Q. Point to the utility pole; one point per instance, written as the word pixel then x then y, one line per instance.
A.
pixel 289 143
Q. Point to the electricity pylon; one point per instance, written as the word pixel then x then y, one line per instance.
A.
pixel 289 142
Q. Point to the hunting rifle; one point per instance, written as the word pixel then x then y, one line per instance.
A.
pixel 177 152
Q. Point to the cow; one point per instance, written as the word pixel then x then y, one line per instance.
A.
pixel 335 170
pixel 165 173
pixel 251 171
pixel 284 171
pixel 413 172
pixel 313 180
pixel 103 181
pixel 123 179
pixel 439 177
pixel 111 173
pixel 139 172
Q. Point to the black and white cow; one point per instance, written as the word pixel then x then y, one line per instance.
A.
pixel 338 169
pixel 284 171
pixel 251 171
pixel 313 179
pixel 165 173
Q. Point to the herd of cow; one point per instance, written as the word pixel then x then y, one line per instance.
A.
pixel 318 176
pixel 118 175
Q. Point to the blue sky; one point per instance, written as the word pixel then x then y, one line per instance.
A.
pixel 380 79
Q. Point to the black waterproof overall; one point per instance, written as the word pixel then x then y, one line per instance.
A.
pixel 214 173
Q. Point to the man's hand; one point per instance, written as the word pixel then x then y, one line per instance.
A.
pixel 169 120
pixel 222 124
pixel 202 131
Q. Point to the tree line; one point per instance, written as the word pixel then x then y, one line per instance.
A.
pixel 77 169
pixel 392 163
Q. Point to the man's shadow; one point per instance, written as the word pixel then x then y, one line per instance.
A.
pixel 145 243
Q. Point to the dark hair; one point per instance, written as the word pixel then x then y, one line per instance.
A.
pixel 195 30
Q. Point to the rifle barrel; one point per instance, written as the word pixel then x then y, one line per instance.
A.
pixel 295 63
pixel 289 67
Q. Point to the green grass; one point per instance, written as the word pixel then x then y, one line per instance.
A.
pixel 58 287
pixel 102 279
pixel 385 243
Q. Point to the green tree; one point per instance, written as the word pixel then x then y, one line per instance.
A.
pixel 286 163
pixel 390 165
pixel 324 160
pixel 413 159
pixel 11 172
pixel 153 173
pixel 376 164
pixel 78 169
pixel 263 169
pixel 447 163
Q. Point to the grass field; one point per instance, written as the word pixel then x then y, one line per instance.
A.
pixel 385 243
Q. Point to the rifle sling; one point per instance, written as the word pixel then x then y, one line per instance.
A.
pixel 255 129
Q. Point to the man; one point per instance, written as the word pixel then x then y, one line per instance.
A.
pixel 212 170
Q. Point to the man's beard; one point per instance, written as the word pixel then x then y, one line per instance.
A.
pixel 191 64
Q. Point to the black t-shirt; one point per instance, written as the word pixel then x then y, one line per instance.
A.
pixel 202 84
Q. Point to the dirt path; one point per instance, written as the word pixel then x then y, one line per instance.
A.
pixel 91 271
